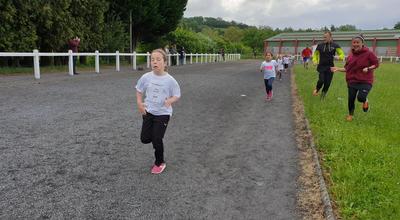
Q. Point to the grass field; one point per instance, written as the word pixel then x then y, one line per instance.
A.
pixel 361 158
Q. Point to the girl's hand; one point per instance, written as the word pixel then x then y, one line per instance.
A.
pixel 142 108
pixel 365 70
pixel 168 103
pixel 334 69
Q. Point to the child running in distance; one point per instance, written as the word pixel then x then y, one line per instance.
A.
pixel 161 90
pixel 286 61
pixel 268 67
pixel 359 70
pixel 280 67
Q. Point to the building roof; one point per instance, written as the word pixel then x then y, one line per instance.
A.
pixel 337 35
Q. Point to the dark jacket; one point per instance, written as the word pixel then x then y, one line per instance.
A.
pixel 73 45
pixel 355 64
pixel 324 54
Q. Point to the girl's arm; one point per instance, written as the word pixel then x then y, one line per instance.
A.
pixel 340 69
pixel 374 61
pixel 140 104
pixel 168 102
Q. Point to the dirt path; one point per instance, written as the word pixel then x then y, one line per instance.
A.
pixel 70 149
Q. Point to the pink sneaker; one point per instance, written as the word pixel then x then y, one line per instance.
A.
pixel 271 94
pixel 267 97
pixel 158 169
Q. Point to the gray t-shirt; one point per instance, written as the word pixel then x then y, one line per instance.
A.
pixel 268 68
pixel 157 89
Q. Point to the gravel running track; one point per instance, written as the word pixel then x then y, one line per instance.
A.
pixel 70 147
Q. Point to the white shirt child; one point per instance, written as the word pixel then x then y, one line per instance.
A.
pixel 157 89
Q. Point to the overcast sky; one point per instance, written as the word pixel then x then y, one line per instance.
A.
pixel 364 14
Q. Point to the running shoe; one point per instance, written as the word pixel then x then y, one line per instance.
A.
pixel 349 118
pixel 315 92
pixel 158 169
pixel 365 106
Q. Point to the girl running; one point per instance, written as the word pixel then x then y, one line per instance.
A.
pixel 268 67
pixel 280 67
pixel 359 74
pixel 161 91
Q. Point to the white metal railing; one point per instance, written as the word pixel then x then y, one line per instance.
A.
pixel 194 58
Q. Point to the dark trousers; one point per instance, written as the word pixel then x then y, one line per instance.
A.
pixel 357 90
pixel 153 130
pixel 74 64
pixel 268 84
pixel 324 80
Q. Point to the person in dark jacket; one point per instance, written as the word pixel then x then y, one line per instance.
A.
pixel 359 70
pixel 323 56
pixel 73 45
pixel 182 55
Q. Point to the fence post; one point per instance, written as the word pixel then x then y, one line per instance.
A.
pixel 134 60
pixel 191 58
pixel 381 59
pixel 36 64
pixel 197 58
pixel 117 66
pixel 391 59
pixel 97 62
pixel 70 63
pixel 169 59
pixel 148 60
pixel 184 59
pixel 177 59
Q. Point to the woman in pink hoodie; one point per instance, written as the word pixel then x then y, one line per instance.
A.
pixel 359 70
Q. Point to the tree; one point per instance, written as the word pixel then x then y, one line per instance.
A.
pixel 397 25
pixel 17 30
pixel 114 35
pixel 347 27
pixel 233 34
pixel 150 18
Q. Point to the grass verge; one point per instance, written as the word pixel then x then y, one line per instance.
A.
pixel 360 158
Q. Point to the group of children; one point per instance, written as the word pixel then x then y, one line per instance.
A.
pixel 156 91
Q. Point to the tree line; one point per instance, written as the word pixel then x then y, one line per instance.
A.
pixel 124 25
pixel 103 25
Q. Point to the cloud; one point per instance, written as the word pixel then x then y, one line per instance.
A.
pixel 300 13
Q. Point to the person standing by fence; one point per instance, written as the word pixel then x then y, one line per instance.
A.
pixel 182 55
pixel 173 53
pixel 359 70
pixel 73 45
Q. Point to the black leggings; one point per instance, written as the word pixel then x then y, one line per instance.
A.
pixel 153 130
pixel 362 90
pixel 325 79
